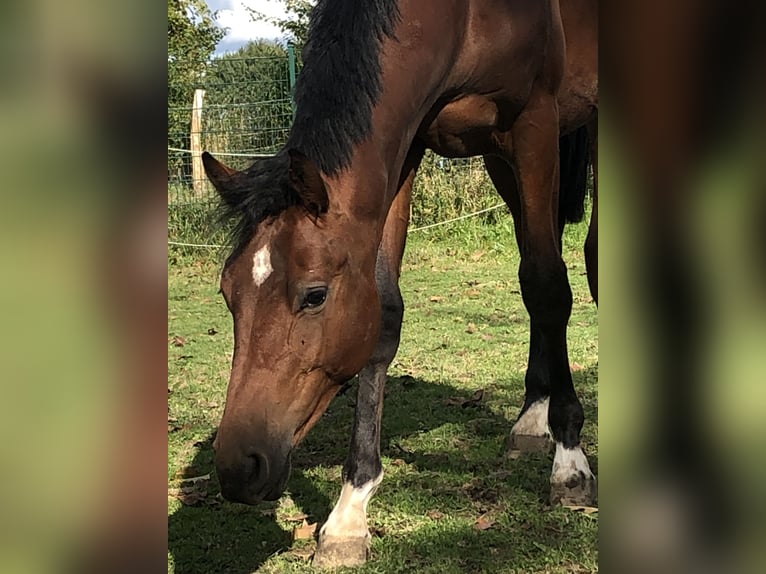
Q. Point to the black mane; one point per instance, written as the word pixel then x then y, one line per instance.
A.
pixel 338 86
pixel 341 78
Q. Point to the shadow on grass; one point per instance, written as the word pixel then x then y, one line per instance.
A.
pixel 239 539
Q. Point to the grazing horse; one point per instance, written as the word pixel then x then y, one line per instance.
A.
pixel 320 228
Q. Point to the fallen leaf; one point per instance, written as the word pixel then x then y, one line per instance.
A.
pixel 502 474
pixel 463 402
pixel 470 329
pixel 435 515
pixel 473 293
pixel 476 255
pixel 483 523
pixel 487 337
pixel 302 552
pixel 178 341
pixel 576 367
pixel 436 299
pixel 193 479
pixel 189 496
pixel 304 531
pixel 397 462
pixel 583 509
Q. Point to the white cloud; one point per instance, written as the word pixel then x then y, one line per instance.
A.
pixel 232 14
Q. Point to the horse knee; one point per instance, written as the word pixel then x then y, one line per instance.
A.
pixel 392 307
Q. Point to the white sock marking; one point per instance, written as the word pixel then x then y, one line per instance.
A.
pixel 568 463
pixel 349 517
pixel 262 265
pixel 534 421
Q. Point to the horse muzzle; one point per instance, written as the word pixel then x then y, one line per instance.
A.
pixel 252 476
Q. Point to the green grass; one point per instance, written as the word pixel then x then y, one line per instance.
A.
pixel 465 329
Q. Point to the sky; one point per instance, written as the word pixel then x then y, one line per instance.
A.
pixel 233 15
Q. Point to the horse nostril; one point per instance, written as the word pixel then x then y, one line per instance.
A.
pixel 259 466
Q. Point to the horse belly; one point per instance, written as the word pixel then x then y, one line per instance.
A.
pixel 469 126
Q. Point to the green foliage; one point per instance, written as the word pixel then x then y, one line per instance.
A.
pixel 296 22
pixel 248 107
pixel 192 37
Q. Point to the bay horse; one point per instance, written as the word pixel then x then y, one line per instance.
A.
pixel 320 228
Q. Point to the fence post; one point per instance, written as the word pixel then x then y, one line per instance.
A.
pixel 291 68
pixel 198 173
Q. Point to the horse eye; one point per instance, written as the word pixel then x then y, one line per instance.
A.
pixel 314 298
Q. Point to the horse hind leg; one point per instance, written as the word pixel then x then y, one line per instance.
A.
pixel 546 292
pixel 344 540
pixel 591 241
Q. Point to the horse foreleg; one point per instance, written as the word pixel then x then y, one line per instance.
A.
pixel 546 292
pixel 344 540
pixel 530 432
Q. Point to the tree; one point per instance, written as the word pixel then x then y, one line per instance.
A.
pixel 295 23
pixel 192 37
pixel 248 106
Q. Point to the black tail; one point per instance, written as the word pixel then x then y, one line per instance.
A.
pixel 574 158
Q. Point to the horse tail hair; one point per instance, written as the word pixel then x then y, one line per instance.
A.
pixel 574 159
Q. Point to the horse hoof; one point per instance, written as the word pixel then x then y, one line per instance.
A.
pixel 579 490
pixel 337 551
pixel 524 443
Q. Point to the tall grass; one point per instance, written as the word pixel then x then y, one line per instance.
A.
pixel 445 189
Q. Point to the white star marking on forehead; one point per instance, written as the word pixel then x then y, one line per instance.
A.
pixel 262 265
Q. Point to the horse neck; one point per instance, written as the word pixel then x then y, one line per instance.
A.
pixel 415 70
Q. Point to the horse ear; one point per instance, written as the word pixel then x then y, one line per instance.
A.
pixel 223 178
pixel 306 180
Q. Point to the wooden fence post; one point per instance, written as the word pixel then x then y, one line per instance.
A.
pixel 198 171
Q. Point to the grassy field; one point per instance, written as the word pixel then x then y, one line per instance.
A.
pixel 450 501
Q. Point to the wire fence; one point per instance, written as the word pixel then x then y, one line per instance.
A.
pixel 242 109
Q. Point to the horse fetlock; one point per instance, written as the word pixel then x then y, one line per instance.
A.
pixel 336 551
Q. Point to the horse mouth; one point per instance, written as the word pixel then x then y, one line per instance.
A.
pixel 249 495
